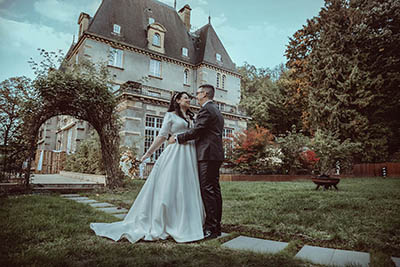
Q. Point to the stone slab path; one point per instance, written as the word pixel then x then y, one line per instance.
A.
pixel 396 261
pixel 317 255
pixel 255 244
pixel 102 206
pixel 329 256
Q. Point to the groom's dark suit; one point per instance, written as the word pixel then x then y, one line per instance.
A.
pixel 207 133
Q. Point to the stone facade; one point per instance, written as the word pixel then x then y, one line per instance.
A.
pixel 147 69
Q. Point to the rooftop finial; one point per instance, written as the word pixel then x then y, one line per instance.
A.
pixel 209 19
pixel 175 4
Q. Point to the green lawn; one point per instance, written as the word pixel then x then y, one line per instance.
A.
pixel 363 215
pixel 40 230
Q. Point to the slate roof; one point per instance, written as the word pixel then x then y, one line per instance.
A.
pixel 132 16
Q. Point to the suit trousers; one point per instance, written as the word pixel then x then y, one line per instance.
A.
pixel 211 193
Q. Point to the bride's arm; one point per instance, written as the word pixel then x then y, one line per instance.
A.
pixel 154 146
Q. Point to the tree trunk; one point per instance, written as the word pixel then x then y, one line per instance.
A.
pixel 31 155
pixel 110 154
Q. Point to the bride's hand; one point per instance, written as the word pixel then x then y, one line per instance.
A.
pixel 144 157
pixel 172 140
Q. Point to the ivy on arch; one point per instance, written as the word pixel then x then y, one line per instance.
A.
pixel 80 90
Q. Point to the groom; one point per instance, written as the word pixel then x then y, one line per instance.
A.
pixel 207 132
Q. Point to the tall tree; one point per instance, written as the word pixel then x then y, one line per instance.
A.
pixel 264 98
pixel 349 82
pixel 14 94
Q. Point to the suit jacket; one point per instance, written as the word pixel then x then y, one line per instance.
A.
pixel 207 133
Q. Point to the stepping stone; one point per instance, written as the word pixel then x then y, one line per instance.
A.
pixel 223 235
pixel 346 257
pixel 329 256
pixel 120 216
pixel 86 201
pixel 112 210
pixel 78 198
pixel 396 261
pixel 255 244
pixel 69 195
pixel 316 254
pixel 101 205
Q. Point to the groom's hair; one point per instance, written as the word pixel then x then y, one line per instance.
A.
pixel 209 89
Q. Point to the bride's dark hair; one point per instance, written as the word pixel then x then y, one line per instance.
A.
pixel 174 106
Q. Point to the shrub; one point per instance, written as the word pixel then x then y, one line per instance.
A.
pixel 292 144
pixel 87 158
pixel 331 150
pixel 255 152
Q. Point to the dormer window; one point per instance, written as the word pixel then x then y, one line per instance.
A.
pixel 117 29
pixel 151 21
pixel 184 52
pixel 218 57
pixel 157 39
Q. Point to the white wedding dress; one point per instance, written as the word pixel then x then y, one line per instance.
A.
pixel 169 203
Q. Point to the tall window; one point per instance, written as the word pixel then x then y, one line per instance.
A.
pixel 117 29
pixel 115 57
pixel 152 128
pixel 228 133
pixel 218 79
pixel 155 67
pixel 156 39
pixel 223 81
pixel 221 106
pixel 186 77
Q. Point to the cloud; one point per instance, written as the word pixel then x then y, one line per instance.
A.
pixel 55 9
pixel 65 11
pixel 267 39
pixel 199 18
pixel 24 36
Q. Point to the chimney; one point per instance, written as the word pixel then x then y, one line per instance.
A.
pixel 83 22
pixel 184 14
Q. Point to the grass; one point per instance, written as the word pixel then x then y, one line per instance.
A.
pixel 363 215
pixel 46 230
pixel 40 230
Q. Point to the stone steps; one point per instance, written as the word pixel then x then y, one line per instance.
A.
pixel 66 188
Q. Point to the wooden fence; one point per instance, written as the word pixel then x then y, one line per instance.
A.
pixel 48 162
pixel 375 169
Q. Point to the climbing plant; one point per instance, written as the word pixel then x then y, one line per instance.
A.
pixel 80 90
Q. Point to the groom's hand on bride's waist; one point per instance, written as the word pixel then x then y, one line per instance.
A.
pixel 172 139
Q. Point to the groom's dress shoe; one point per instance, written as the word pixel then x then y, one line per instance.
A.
pixel 210 235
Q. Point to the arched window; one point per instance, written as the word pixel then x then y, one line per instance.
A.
pixel 156 39
pixel 223 81
pixel 186 76
pixel 218 79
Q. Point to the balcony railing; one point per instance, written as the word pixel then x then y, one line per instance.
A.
pixel 165 95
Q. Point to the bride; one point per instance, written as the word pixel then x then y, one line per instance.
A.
pixel 169 203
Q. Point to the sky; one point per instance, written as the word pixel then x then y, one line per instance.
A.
pixel 252 31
